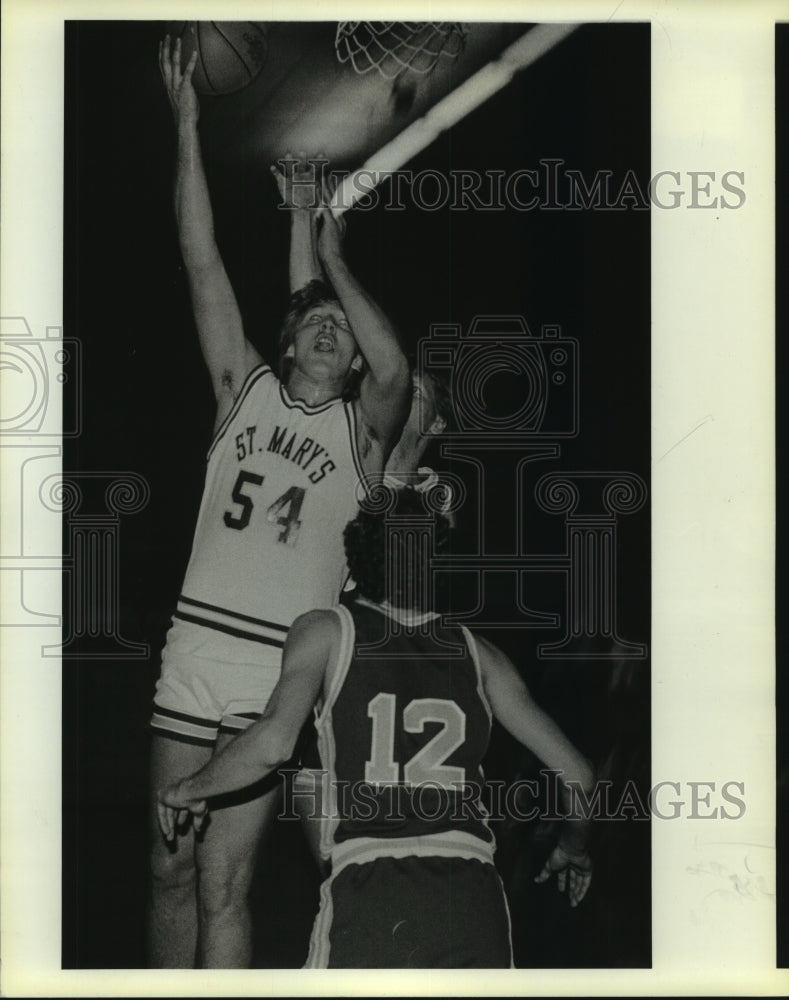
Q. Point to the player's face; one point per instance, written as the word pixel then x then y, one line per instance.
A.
pixel 324 339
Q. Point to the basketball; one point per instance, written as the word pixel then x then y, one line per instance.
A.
pixel 230 53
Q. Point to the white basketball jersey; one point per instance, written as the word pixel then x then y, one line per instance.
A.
pixel 280 487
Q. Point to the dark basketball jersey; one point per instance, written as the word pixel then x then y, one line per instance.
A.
pixel 402 733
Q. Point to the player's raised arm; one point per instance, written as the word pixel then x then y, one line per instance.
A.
pixel 299 189
pixel 385 392
pixel 228 354
pixel 514 707
pixel 270 741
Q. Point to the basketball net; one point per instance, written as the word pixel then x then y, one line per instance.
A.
pixel 392 47
pixel 449 110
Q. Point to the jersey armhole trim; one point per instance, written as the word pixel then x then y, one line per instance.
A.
pixel 338 671
pixel 353 424
pixel 471 642
pixel 249 381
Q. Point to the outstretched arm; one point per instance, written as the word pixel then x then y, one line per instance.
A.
pixel 228 354
pixel 385 392
pixel 514 707
pixel 299 191
pixel 269 742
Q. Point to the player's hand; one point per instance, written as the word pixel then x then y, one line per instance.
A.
pixel 299 180
pixel 573 873
pixel 181 93
pixel 176 809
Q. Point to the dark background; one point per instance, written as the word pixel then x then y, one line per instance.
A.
pixel 148 408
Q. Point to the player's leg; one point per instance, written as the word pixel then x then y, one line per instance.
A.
pixel 226 855
pixel 172 920
pixel 185 723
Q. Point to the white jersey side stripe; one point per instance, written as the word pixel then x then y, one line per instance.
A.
pixel 325 730
pixel 339 671
pixel 350 416
pixel 472 648
pixel 320 945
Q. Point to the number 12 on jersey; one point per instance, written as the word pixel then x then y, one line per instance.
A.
pixel 427 764
pixel 284 511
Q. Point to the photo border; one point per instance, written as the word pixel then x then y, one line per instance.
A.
pixel 713 294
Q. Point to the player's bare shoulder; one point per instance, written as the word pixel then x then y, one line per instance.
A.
pixel 318 620
pixel 487 650
pixel 494 664
pixel 315 634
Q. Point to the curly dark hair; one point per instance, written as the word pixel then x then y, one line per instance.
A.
pixel 301 301
pixel 384 561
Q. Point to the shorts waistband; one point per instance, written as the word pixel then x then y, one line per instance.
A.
pixel 451 844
